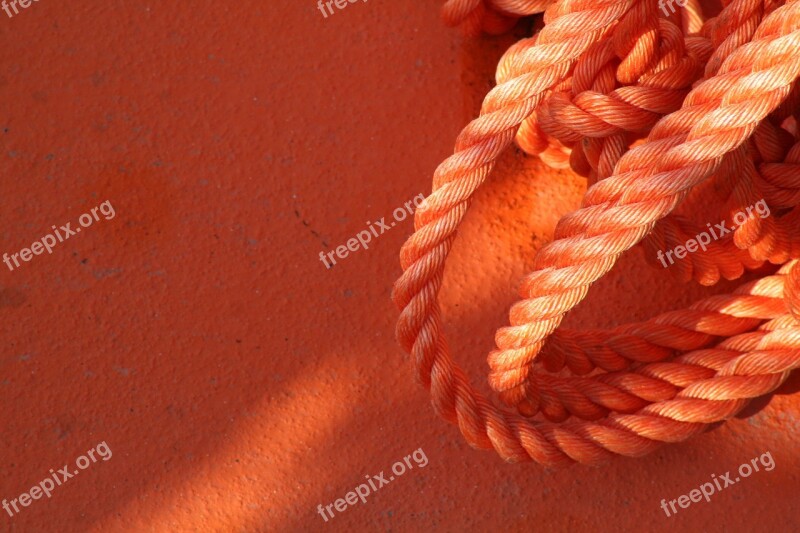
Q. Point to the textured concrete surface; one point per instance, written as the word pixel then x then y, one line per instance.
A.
pixel 238 382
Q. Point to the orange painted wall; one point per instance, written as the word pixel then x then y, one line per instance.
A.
pixel 237 381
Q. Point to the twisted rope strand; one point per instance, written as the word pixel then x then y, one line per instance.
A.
pixel 689 146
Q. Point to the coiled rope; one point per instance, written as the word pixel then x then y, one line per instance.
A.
pixel 651 108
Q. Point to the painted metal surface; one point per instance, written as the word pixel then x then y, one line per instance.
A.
pixel 237 381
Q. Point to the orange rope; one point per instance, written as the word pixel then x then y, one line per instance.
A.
pixel 490 16
pixel 651 108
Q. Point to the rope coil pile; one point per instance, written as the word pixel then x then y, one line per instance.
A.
pixel 651 108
